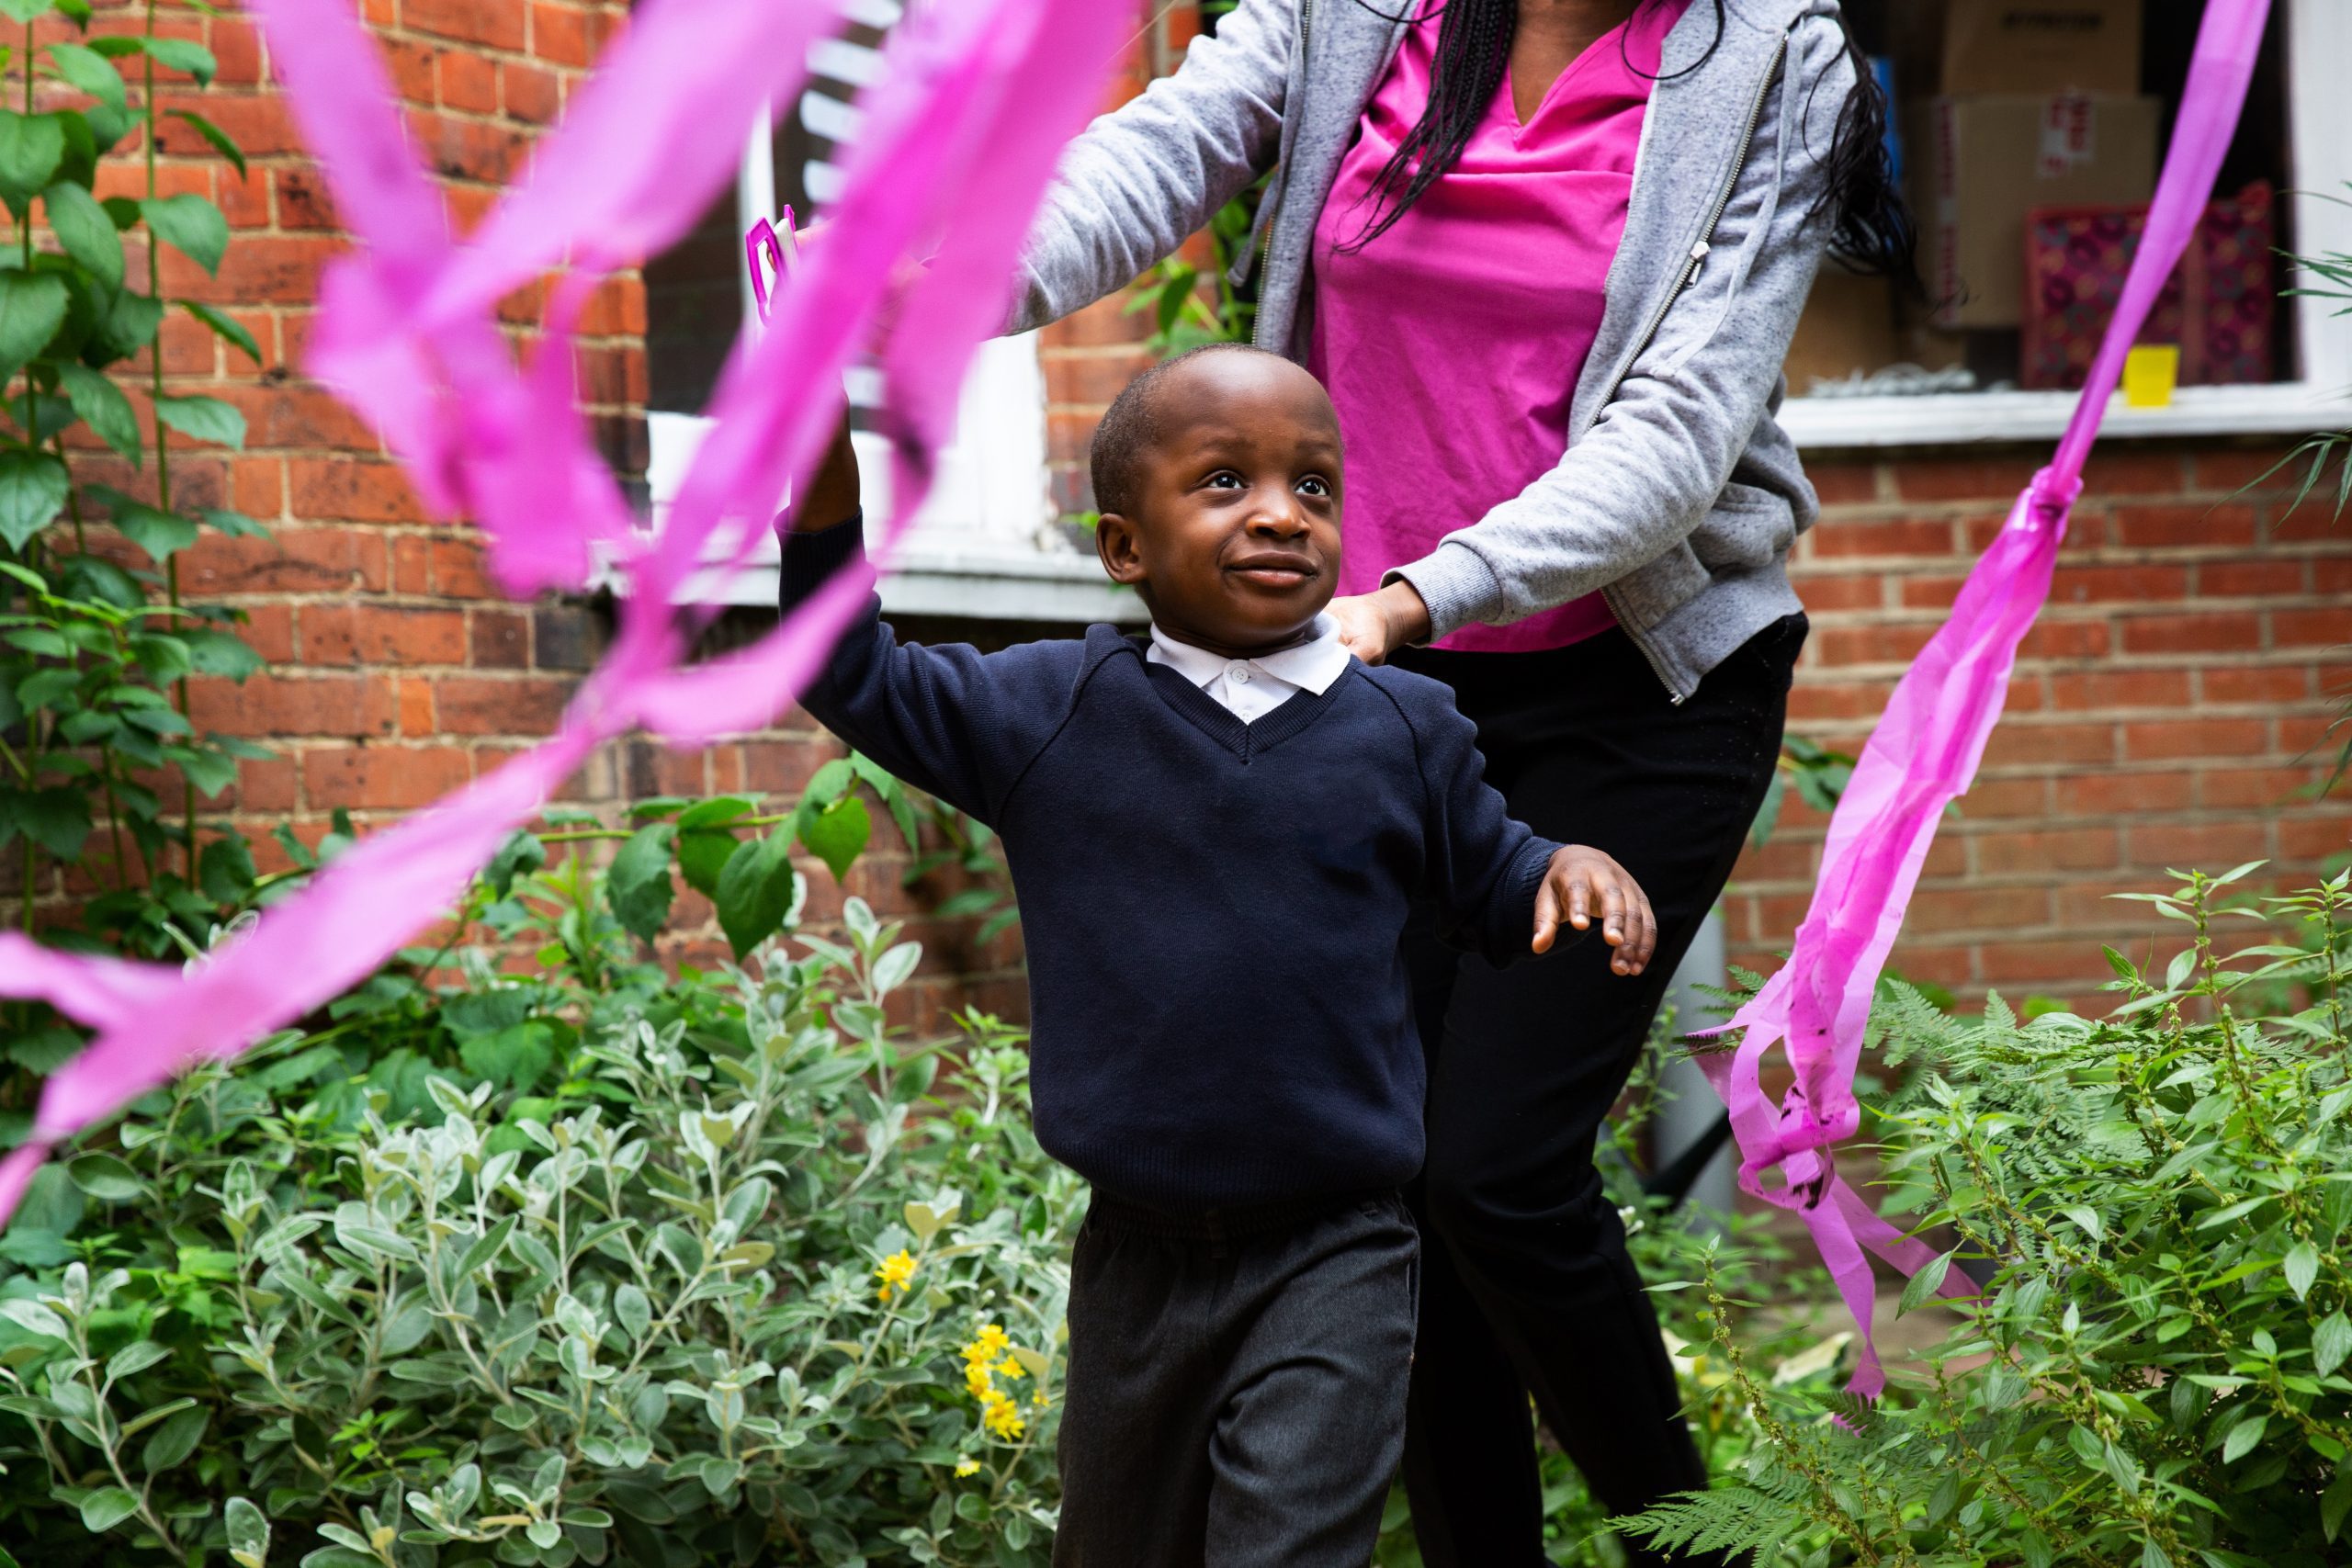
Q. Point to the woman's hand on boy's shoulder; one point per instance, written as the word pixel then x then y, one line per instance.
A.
pixel 1581 883
pixel 1373 626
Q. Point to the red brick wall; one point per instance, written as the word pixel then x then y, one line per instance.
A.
pixel 2159 717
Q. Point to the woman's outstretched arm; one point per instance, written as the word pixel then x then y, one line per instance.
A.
pixel 1144 176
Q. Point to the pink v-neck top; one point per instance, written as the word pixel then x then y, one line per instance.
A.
pixel 1451 343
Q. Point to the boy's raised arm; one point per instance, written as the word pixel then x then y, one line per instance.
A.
pixel 948 720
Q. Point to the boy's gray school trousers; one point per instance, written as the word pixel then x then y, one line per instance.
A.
pixel 1235 1396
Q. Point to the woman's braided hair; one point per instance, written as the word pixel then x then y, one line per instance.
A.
pixel 1872 229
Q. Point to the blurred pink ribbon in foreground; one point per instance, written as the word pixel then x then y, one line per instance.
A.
pixel 962 135
pixel 1924 753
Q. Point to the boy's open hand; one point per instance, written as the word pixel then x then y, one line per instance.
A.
pixel 1581 882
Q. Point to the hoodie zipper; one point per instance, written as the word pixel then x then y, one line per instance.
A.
pixel 1282 181
pixel 1698 260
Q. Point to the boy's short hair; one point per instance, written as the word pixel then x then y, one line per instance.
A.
pixel 1130 426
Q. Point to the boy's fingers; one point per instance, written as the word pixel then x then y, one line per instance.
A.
pixel 1547 917
pixel 1613 915
pixel 1579 901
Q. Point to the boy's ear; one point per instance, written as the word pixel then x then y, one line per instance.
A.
pixel 1120 549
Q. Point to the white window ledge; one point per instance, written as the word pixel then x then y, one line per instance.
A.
pixel 1961 418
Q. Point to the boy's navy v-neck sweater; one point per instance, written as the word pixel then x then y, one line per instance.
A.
pixel 1219 1015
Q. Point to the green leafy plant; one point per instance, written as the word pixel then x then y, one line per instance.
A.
pixel 95 657
pixel 1182 315
pixel 1819 776
pixel 707 1269
pixel 2156 1202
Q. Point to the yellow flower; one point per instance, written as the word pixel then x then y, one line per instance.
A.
pixel 1002 1418
pixel 968 1467
pixel 1039 1399
pixel 992 1342
pixel 895 1271
pixel 1010 1368
pixel 976 1379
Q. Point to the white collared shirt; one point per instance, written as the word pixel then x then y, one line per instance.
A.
pixel 1250 688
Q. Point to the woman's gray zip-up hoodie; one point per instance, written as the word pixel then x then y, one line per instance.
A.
pixel 1680 494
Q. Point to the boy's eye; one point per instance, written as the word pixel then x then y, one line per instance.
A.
pixel 1313 485
pixel 1225 478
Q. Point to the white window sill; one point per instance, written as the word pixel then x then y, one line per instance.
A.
pixel 1960 418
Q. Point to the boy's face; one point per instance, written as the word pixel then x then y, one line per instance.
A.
pixel 1235 546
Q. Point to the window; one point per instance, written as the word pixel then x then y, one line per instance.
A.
pixel 986 544
pixel 2025 199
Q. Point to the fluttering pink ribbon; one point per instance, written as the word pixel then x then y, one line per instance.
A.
pixel 961 137
pixel 1924 753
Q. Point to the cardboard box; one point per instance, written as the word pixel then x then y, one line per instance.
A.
pixel 2041 46
pixel 1848 326
pixel 1980 164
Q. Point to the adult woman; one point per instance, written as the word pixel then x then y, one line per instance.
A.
pixel 1547 255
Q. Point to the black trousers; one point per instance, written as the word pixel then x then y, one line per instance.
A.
pixel 1235 1391
pixel 1527 1288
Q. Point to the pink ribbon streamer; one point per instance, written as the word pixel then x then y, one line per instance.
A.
pixel 1924 753
pixel 962 136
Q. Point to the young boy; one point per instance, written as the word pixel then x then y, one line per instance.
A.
pixel 1216 833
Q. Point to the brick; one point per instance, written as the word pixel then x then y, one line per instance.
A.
pixel 2063 639
pixel 303 199
pixel 2130 584
pixel 419 715
pixel 2120 689
pixel 2256 684
pixel 564 636
pixel 469 149
pixel 2209 631
pixel 2223 524
pixel 1977 909
pixel 1844 539
pixel 498 23
pixel 266 786
pixel 413 73
pixel 2107 793
pixel 2320 628
pixel 2261 788
pixel 2008 967
pixel 2315 839
pixel 2019 745
pixel 259 269
pixel 458 571
pixel 2145 469
pixel 2199 846
pixel 1871 644
pixel 268 704
pixel 2229 472
pixel 558 34
pixel 468 81
pixel 1813 701
pixel 1093 380
pixel 314 561
pixel 269 630
pixel 499 639
pixel 411 564
pixel 2194 738
pixel 258 488
pixel 529 93
pixel 261 125
pixel 296 414
pixel 243 200
pixel 2041 852
pixel 385 777
pixel 1824 594
pixel 616 308
pixel 236 53
pixel 1100 325
pixel 469 705
pixel 376 634
pixel 2006 797
pixel 2249 579
pixel 350 489
pixel 1971 479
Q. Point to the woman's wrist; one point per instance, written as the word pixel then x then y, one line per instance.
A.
pixel 1404 619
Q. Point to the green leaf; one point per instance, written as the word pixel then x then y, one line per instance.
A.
pixel 129 325
pixel 756 891
pixel 83 227
pixel 2242 1437
pixel 514 1059
pixel 2331 1343
pixel 90 70
pixel 2336 1502
pixel 57 818
pixel 32 307
pixel 520 856
pixel 702 858
pixel 482 1253
pixel 25 11
pixel 221 142
pixel 1924 1283
pixel 248 1533
pixel 837 835
pixel 99 404
pixel 161 534
pixel 639 887
pixel 224 326
pixel 108 1505
pixel 182 54
pixel 31 146
pixel 203 419
pixel 189 224
pixel 633 1311
pixel 225 870
pixel 2303 1268
pixel 207 769
pixel 33 487
pixel 215 652
pixel 103 1177
pixel 174 1439
pixel 236 524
